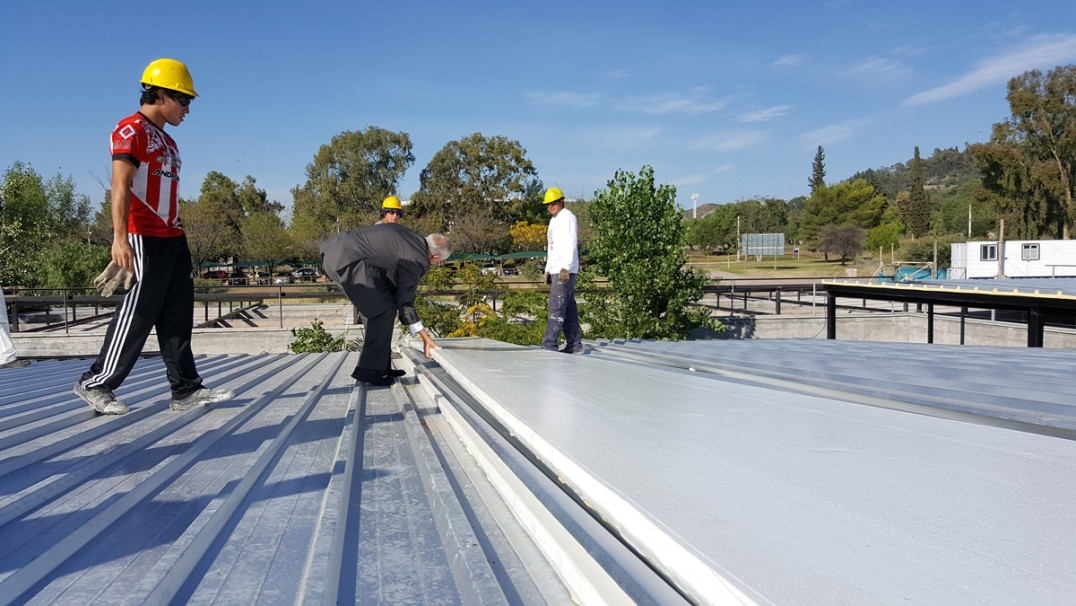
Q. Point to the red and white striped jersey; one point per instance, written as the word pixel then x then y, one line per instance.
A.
pixel 155 191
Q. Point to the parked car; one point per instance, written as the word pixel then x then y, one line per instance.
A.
pixel 216 274
pixel 262 277
pixel 510 271
pixel 304 274
pixel 237 278
pixel 283 279
pixel 489 269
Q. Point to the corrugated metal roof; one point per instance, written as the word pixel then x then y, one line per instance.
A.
pixel 784 471
pixel 303 489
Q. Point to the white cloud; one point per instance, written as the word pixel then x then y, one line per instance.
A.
pixel 878 68
pixel 788 61
pixel 1040 52
pixel 687 180
pixel 620 137
pixel 832 133
pixel 730 141
pixel 696 178
pixel 618 74
pixel 762 115
pixel 692 103
pixel 564 98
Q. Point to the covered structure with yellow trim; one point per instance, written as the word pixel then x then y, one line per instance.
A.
pixel 1041 301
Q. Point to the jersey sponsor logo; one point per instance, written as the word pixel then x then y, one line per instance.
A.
pixel 166 173
pixel 127 132
pixel 168 158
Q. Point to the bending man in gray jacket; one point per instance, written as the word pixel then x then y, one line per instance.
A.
pixel 379 268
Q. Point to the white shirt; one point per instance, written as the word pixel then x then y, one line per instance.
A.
pixel 562 243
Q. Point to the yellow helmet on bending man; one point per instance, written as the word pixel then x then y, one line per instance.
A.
pixel 391 203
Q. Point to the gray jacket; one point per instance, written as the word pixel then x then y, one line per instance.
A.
pixel 379 268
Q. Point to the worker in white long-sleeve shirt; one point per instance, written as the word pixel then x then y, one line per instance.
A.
pixel 561 267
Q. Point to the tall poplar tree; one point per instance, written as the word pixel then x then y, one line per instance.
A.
pixel 916 208
pixel 818 170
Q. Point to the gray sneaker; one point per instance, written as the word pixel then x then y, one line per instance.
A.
pixel 202 397
pixel 100 399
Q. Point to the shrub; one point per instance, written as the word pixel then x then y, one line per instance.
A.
pixel 315 340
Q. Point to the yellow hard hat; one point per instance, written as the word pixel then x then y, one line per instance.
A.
pixel 552 195
pixel 170 74
pixel 392 203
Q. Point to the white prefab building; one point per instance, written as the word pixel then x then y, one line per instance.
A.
pixel 1021 259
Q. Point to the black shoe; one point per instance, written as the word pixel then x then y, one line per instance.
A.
pixel 578 349
pixel 395 373
pixel 16 364
pixel 372 377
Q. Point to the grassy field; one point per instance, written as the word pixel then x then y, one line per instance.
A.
pixel 787 266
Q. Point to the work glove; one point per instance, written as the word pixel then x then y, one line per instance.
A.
pixel 549 279
pixel 563 275
pixel 112 278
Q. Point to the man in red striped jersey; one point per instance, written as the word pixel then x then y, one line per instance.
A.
pixel 148 240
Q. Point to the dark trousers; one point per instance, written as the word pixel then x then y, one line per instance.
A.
pixel 378 307
pixel 563 315
pixel 161 298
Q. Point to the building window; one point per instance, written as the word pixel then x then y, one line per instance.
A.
pixel 1029 251
pixel 988 252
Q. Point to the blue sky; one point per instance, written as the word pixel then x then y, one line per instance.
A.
pixel 727 100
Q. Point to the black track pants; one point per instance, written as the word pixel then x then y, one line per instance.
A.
pixel 162 298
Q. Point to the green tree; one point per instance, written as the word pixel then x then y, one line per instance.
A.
pixel 1025 198
pixel 818 170
pixel 253 200
pixel 883 236
pixel 527 206
pixel 27 225
pixel 1030 160
pixel 469 191
pixel 304 233
pixel 69 212
pixel 349 177
pixel 265 238
pixel 954 205
pixel 762 216
pixel 209 234
pixel 715 231
pixel 221 192
pixel 638 244
pixel 916 211
pixel 70 264
pixel 1044 122
pixel 845 241
pixel 100 228
pixel 848 202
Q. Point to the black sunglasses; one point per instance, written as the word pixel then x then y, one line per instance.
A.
pixel 184 100
pixel 395 212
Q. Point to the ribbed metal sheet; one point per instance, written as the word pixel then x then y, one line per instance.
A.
pixel 303 489
pixel 777 488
